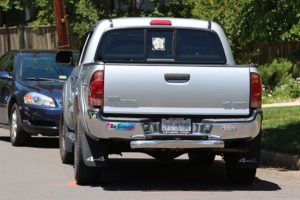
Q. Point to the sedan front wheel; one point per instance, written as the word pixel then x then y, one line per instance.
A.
pixel 18 136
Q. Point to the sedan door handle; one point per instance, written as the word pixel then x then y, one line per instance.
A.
pixel 177 78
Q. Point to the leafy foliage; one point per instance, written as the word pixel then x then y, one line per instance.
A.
pixel 279 80
pixel 278 72
pixel 244 21
pixel 283 93
pixel 266 20
pixel 248 21
pixel 84 17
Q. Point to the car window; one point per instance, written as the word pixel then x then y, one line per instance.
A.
pixel 6 62
pixel 42 65
pixel 9 66
pixel 2 60
pixel 122 45
pixel 203 46
pixel 165 45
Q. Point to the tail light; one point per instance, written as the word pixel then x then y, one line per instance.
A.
pixel 255 90
pixel 96 89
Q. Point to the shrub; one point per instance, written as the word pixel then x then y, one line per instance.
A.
pixel 288 90
pixel 278 73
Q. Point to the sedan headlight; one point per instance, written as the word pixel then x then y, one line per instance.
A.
pixel 38 99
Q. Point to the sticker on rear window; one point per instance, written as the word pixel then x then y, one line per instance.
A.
pixel 158 43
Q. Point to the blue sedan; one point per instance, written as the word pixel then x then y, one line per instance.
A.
pixel 30 93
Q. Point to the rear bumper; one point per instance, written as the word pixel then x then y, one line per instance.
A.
pixel 145 133
pixel 176 144
pixel 37 120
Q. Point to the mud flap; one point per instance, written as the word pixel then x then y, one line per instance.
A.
pixel 250 159
pixel 94 152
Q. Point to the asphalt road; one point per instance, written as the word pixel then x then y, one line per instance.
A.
pixel 35 172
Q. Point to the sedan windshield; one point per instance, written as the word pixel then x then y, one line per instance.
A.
pixel 42 67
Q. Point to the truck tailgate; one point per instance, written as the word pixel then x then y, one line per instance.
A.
pixel 176 89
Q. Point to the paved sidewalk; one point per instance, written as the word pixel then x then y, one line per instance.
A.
pixel 284 104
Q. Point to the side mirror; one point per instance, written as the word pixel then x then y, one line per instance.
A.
pixel 65 57
pixel 5 75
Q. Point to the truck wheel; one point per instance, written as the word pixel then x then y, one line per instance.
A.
pixel 18 136
pixel 66 156
pixel 84 174
pixel 201 158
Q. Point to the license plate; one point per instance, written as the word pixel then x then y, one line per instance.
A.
pixel 176 126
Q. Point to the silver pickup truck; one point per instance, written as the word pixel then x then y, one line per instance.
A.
pixel 164 87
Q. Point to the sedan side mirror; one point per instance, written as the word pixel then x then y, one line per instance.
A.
pixel 65 57
pixel 5 75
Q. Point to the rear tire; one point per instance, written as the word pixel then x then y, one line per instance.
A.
pixel 201 158
pixel 84 174
pixel 66 157
pixel 18 136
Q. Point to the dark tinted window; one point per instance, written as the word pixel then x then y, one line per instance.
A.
pixel 3 61
pixel 42 65
pixel 10 64
pixel 7 62
pixel 169 45
pixel 199 46
pixel 122 45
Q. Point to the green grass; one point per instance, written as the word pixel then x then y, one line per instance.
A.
pixel 276 99
pixel 281 129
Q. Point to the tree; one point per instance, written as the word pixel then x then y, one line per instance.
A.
pixel 244 21
pixel 248 21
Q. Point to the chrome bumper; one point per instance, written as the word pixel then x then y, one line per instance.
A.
pixel 176 144
pixel 146 132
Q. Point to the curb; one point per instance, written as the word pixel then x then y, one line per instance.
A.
pixel 280 160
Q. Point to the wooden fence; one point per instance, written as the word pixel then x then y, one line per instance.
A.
pixel 45 37
pixel 20 37
pixel 265 52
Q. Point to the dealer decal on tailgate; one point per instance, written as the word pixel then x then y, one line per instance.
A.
pixel 121 126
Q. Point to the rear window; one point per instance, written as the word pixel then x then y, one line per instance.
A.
pixel 165 45
pixel 122 45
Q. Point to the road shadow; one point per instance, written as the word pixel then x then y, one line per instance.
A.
pixel 37 142
pixel 44 142
pixel 4 138
pixel 179 175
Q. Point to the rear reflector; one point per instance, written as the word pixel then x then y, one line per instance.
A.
pixel 256 90
pixel 160 22
pixel 96 89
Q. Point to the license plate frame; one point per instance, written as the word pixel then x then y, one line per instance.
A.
pixel 176 126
